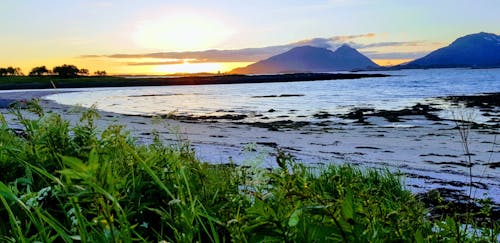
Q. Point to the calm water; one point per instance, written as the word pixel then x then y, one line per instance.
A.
pixel 300 101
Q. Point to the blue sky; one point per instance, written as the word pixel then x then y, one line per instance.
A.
pixel 61 31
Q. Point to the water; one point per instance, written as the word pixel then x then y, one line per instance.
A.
pixel 429 153
pixel 294 100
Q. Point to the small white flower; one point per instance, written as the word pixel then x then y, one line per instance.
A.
pixel 32 202
pixel 144 225
pixel 44 192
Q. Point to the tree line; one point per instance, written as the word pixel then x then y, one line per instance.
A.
pixel 64 71
pixel 11 71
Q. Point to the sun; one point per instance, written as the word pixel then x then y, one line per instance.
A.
pixel 180 32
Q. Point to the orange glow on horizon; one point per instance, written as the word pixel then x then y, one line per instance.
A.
pixel 390 62
pixel 123 68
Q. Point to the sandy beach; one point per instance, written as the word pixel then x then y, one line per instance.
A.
pixel 428 153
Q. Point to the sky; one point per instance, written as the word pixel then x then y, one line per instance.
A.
pixel 166 36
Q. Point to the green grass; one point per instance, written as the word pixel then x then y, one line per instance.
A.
pixel 75 183
pixel 46 82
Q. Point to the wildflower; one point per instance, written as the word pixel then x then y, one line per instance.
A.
pixel 74 221
pixel 44 192
pixel 32 202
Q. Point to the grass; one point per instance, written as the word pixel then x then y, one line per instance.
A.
pixel 75 183
pixel 48 82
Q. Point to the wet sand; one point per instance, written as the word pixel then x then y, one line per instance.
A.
pixel 427 151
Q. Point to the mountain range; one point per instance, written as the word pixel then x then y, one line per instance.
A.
pixel 481 50
pixel 475 50
pixel 310 59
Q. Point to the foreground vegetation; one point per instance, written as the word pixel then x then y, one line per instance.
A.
pixel 75 183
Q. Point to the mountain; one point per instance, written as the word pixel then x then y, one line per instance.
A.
pixel 310 59
pixel 475 50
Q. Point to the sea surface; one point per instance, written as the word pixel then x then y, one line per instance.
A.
pixel 293 100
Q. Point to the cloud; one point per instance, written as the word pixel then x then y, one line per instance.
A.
pixel 239 55
pixel 385 44
pixel 395 55
pixel 256 54
pixel 332 41
pixel 90 56
pixel 155 63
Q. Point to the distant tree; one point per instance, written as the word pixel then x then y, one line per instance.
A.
pixel 18 72
pixel 39 71
pixel 83 72
pixel 10 71
pixel 66 71
pixel 100 73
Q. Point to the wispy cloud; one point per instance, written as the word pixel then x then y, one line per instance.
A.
pixel 395 55
pixel 332 41
pixel 385 44
pixel 256 54
pixel 155 63
pixel 239 55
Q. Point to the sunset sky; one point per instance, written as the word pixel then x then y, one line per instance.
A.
pixel 162 36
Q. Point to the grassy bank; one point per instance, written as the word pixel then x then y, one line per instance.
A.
pixel 48 82
pixel 75 183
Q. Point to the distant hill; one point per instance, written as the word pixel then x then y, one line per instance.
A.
pixel 310 59
pixel 475 50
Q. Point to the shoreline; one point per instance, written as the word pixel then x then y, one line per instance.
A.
pixel 6 98
pixel 49 82
pixel 428 154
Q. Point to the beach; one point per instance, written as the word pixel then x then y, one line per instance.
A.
pixel 428 153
